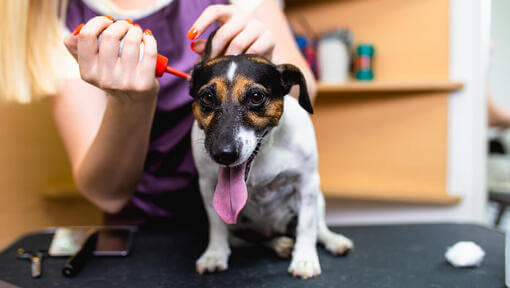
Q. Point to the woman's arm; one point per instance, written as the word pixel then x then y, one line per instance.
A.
pixel 286 49
pixel 106 130
pixel 498 117
pixel 264 31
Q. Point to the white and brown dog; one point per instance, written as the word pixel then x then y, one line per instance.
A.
pixel 255 151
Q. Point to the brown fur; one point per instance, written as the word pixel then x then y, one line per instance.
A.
pixel 221 88
pixel 203 118
pixel 270 117
pixel 215 61
pixel 241 83
pixel 259 59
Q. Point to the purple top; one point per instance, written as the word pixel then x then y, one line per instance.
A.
pixel 168 187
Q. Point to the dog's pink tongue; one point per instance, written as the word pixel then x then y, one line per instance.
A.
pixel 231 194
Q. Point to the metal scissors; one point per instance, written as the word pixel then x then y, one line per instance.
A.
pixel 36 259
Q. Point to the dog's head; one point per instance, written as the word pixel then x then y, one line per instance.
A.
pixel 237 100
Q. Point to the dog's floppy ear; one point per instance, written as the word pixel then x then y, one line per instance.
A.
pixel 291 75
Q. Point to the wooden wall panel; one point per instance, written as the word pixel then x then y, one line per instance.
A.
pixel 32 160
pixel 411 37
pixel 385 146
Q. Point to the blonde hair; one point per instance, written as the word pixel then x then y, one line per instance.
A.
pixel 30 44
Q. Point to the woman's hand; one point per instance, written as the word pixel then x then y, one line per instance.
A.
pixel 240 32
pixel 100 64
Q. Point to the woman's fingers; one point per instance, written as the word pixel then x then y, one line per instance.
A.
pixel 264 45
pixel 147 66
pixel 71 43
pixel 102 66
pixel 109 51
pixel 245 38
pixel 87 47
pixel 131 48
pixel 240 33
pixel 211 14
pixel 226 33
pixel 198 46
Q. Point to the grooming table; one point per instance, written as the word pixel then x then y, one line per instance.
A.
pixel 384 256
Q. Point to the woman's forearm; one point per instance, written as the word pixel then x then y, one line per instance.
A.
pixel 110 169
pixel 106 130
pixel 285 50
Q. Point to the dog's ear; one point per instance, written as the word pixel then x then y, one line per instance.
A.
pixel 291 75
pixel 208 46
pixel 206 55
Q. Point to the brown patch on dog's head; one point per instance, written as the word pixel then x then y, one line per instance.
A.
pixel 239 87
pixel 221 88
pixel 214 61
pixel 256 58
pixel 205 116
pixel 269 117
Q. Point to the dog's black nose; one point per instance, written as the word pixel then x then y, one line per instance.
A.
pixel 226 155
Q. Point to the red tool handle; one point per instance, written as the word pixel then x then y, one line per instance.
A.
pixel 162 67
pixel 161 63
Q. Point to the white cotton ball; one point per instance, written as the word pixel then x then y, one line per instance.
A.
pixel 465 254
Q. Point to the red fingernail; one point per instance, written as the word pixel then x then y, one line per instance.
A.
pixel 138 25
pixel 129 20
pixel 78 29
pixel 148 32
pixel 109 17
pixel 191 46
pixel 192 34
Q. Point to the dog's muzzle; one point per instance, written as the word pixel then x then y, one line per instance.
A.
pixel 231 193
pixel 226 154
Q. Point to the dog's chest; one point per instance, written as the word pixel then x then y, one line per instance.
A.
pixel 271 208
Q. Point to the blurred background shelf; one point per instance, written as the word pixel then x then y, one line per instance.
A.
pixel 390 86
pixel 393 196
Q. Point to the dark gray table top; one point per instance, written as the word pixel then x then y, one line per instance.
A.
pixel 384 256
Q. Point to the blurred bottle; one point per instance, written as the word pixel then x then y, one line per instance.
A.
pixel 364 62
pixel 307 47
pixel 334 56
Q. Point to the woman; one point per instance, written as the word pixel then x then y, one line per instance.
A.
pixel 126 132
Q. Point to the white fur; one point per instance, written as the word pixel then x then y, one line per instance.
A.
pixel 290 146
pixel 231 71
pixel 249 142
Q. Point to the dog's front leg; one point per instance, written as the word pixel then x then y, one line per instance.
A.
pixel 215 257
pixel 305 261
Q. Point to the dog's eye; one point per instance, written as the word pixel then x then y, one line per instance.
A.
pixel 207 98
pixel 257 98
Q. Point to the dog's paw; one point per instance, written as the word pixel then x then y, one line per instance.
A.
pixel 305 264
pixel 282 246
pixel 213 260
pixel 337 244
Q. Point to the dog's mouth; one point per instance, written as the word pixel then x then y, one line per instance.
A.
pixel 231 193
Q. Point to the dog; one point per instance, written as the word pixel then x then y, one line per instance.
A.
pixel 255 151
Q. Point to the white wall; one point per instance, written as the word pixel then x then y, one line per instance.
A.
pixel 499 72
pixel 469 50
pixel 499 69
